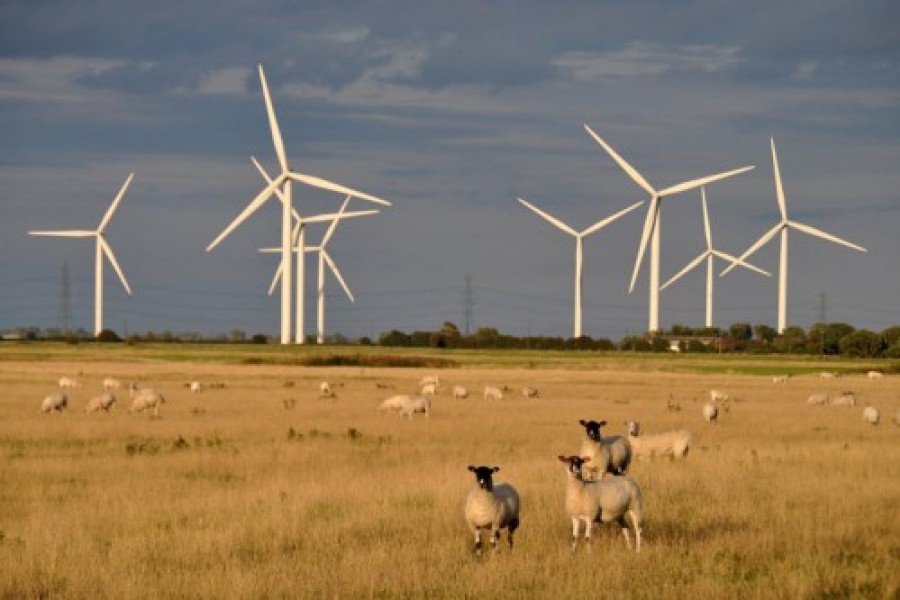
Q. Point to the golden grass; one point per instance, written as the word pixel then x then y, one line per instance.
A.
pixel 238 492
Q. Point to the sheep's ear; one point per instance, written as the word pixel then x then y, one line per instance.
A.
pixel 582 422
pixel 602 423
pixel 495 469
pixel 471 468
pixel 564 459
pixel 585 459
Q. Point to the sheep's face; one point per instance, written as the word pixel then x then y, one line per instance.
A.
pixel 574 464
pixel 592 429
pixel 633 428
pixel 484 476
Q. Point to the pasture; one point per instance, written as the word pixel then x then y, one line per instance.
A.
pixel 261 488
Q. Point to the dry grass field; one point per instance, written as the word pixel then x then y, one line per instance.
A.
pixel 262 489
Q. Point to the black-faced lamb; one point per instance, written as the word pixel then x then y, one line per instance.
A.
pixel 675 443
pixel 610 454
pixel 602 501
pixel 491 507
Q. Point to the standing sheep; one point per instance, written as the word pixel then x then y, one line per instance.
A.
pixel 875 375
pixel 416 404
pixel 608 454
pixel 460 392
pixel 490 506
pixel 780 378
pixel 711 412
pixel 817 399
pixel 196 387
pixel 68 382
pixel 110 384
pixel 609 499
pixel 718 396
pixel 675 443
pixel 871 415
pixel 102 402
pixel 492 393
pixel 145 399
pixel 54 403
pixel 530 392
pixel 845 399
pixel 430 380
pixel 429 389
pixel 394 403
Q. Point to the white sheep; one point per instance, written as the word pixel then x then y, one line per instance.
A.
pixel 416 404
pixel 871 415
pixel 491 507
pixel 718 396
pixel 429 389
pixel 54 403
pixel 609 499
pixel 110 384
pixel 492 393
pixel 608 454
pixel 817 399
pixel 780 378
pixel 530 392
pixel 875 375
pixel 144 399
pixel 68 382
pixel 711 412
pixel 828 375
pixel 394 403
pixel 675 443
pixel 102 402
pixel 460 392
pixel 845 399
pixel 430 380
pixel 196 386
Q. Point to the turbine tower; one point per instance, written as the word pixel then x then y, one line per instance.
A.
pixel 102 248
pixel 782 227
pixel 282 185
pixel 709 256
pixel 651 223
pixel 579 243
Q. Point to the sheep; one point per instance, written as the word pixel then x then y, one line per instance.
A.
pixel 492 393
pixel 429 389
pixel 493 507
pixel 780 378
pixel 324 389
pixel 54 403
pixel 196 386
pixel 828 375
pixel 718 396
pixel 675 443
pixel 845 399
pixel 871 415
pixel 608 454
pixel 394 403
pixel 460 392
pixel 68 382
pixel 817 399
pixel 530 392
pixel 110 384
pixel 875 375
pixel 102 402
pixel 430 380
pixel 144 399
pixel 416 404
pixel 609 499
pixel 711 412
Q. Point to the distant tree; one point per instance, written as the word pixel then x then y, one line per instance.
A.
pixel 764 333
pixel 791 340
pixel 823 338
pixel 365 341
pixel 862 344
pixel 682 330
pixel 891 335
pixel 893 351
pixel 696 346
pixel 740 332
pixel 108 335
pixel 393 337
pixel 259 338
pixel 634 343
pixel 237 335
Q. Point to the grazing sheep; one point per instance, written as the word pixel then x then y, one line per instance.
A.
pixel 429 389
pixel 780 378
pixel 430 380
pixel 675 443
pixel 54 403
pixel 196 386
pixel 68 382
pixel 711 412
pixel 394 403
pixel 102 402
pixel 609 499
pixel 845 399
pixel 530 392
pixel 492 393
pixel 416 404
pixel 460 392
pixel 875 375
pixel 871 415
pixel 817 399
pixel 324 389
pixel 608 454
pixel 718 396
pixel 110 384
pixel 144 399
pixel 493 507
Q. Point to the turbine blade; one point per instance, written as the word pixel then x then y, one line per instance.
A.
pixel 268 179
pixel 112 259
pixel 649 224
pixel 756 246
pixel 249 210
pixel 825 236
pixel 632 172
pixel 685 270
pixel 706 218
pixel 330 231
pixel 779 189
pixel 273 123
pixel 324 184
pixel 337 274
pixel 601 224
pixel 115 203
pixel 549 218
pixel 276 278
pixel 78 233
pixel 689 185
pixel 746 265
pixel 332 216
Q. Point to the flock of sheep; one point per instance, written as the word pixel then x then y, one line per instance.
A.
pixel 142 399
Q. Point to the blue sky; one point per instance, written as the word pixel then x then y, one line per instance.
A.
pixel 450 110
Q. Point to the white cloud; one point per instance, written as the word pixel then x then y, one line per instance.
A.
pixel 53 80
pixel 641 59
pixel 228 81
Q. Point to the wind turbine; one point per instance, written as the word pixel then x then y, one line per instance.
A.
pixel 651 223
pixel 709 256
pixel 579 242
pixel 782 227
pixel 282 184
pixel 324 258
pixel 102 248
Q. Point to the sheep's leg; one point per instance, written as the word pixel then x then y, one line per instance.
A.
pixel 495 537
pixel 576 531
pixel 511 528
pixel 588 529
pixel 623 525
pixel 478 542
pixel 635 522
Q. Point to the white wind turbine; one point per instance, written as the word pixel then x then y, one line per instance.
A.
pixel 651 224
pixel 282 185
pixel 709 256
pixel 579 243
pixel 102 248
pixel 782 227
pixel 324 258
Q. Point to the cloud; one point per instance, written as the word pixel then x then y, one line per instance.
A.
pixel 639 59
pixel 230 80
